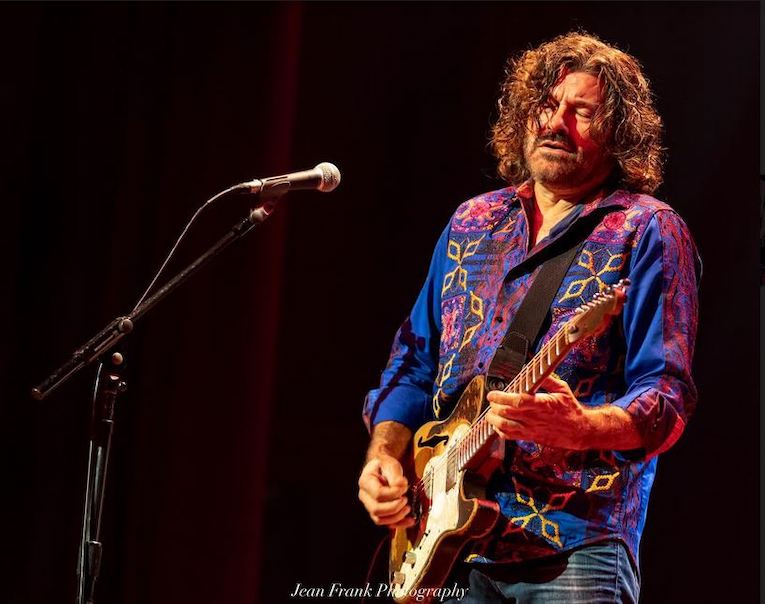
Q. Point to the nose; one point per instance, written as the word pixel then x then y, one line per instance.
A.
pixel 555 121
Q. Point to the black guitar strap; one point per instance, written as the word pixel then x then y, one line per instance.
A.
pixel 524 329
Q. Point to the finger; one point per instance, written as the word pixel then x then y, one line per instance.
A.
pixel 387 470
pixel 373 485
pixel 382 508
pixel 392 472
pixel 553 383
pixel 389 512
pixel 372 467
pixel 506 428
pixel 504 398
pixel 532 408
pixel 511 400
pixel 393 519
pixel 503 410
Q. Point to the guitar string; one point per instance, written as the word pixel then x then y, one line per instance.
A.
pixel 419 486
pixel 544 351
pixel 525 376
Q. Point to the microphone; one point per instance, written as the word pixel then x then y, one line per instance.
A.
pixel 325 177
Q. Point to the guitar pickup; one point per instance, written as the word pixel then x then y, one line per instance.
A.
pixel 398 579
pixel 415 504
pixel 409 558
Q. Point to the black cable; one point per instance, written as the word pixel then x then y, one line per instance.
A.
pixel 373 562
pixel 180 237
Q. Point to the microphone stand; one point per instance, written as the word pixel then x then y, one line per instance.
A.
pixel 102 424
pixel 109 384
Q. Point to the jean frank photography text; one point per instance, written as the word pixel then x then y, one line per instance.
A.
pixel 374 590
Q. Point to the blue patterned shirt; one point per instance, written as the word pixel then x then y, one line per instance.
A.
pixel 553 499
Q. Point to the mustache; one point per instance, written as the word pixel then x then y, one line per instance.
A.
pixel 556 137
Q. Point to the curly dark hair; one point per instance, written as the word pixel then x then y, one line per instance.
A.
pixel 626 123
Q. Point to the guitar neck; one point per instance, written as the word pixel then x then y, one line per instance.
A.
pixel 527 381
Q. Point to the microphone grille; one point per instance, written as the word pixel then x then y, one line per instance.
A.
pixel 330 176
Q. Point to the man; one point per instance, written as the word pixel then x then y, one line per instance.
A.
pixel 577 139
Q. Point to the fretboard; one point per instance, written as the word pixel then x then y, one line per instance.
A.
pixel 591 317
pixel 527 381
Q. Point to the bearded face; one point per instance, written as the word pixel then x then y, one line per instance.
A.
pixel 560 153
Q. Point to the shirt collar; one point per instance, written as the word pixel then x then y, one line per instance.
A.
pixel 603 198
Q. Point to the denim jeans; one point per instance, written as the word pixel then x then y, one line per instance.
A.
pixel 595 574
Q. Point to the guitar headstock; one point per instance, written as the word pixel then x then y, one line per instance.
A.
pixel 593 316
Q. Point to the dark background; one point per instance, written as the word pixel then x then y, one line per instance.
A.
pixel 238 444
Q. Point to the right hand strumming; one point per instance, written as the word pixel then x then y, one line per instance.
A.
pixel 382 490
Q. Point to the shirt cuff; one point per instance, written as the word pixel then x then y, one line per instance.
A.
pixel 656 419
pixel 403 404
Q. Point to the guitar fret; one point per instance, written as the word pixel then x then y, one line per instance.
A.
pixel 479 434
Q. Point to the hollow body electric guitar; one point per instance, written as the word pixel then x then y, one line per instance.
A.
pixel 454 458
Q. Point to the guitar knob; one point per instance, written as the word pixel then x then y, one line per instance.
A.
pixel 409 558
pixel 398 579
pixel 496 384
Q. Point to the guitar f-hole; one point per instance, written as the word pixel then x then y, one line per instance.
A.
pixel 433 441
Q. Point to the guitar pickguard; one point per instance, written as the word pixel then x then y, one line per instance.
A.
pixel 449 507
pixel 453 459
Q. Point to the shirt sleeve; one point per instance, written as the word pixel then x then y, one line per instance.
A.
pixel 660 319
pixel 406 386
